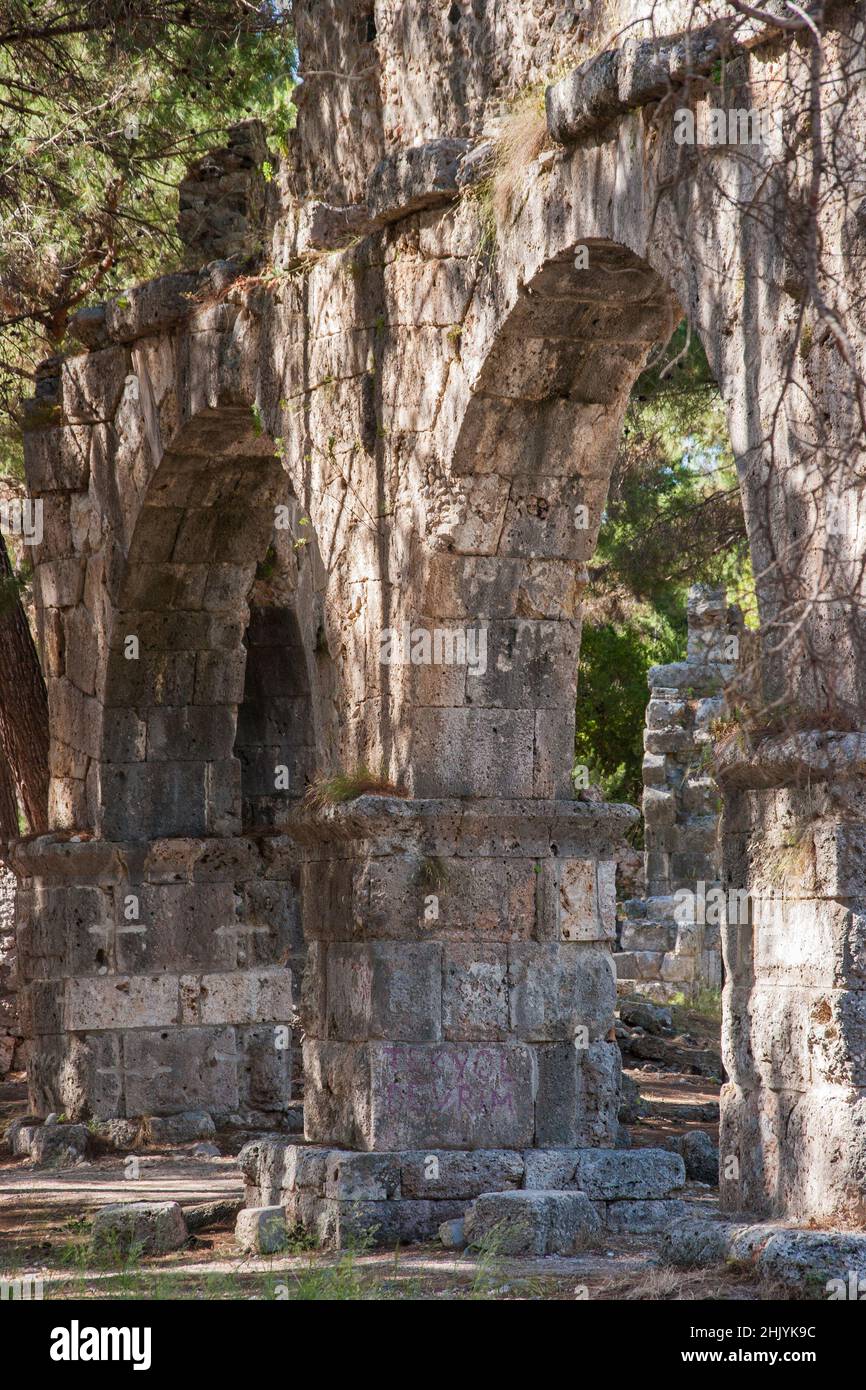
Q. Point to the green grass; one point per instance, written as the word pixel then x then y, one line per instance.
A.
pixel 340 787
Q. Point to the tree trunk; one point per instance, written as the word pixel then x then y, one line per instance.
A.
pixel 8 805
pixel 23 704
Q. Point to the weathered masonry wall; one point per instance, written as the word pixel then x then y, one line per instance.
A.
pixel 407 426
pixel 10 1025
pixel 670 943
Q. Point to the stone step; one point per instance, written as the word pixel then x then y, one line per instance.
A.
pixel 411 1194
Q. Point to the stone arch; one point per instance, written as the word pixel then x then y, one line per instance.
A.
pixel 175 992
pixel 177 655
pixel 528 457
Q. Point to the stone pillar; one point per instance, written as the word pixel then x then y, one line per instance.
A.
pixel 666 950
pixel 793 1136
pixel 153 976
pixel 459 991
pixel 10 1026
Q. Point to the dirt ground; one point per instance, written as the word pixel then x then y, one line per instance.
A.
pixel 44 1219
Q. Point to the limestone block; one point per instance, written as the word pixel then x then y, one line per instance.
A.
pixel 166 1071
pixel 578 1093
pixel 340 1224
pixel 240 996
pixel 264 1163
pixel 700 1155
pixel 446 1173
pixel 557 989
pixel 57 460
pixel 385 989
pixel 462 1095
pixel 659 808
pixel 92 384
pixel 368 1177
pixel 643 1217
pixel 502 742
pixel 151 1228
pixel 261 1230
pixel 475 993
pixel 676 968
pixel 150 308
pixel 840 860
pixel 179 1129
pixel 671 740
pixel 414 179
pixel 665 714
pixel 647 936
pixel 629 1175
pixel 120 1001
pixel 584 98
pixel 531 1223
pixel 587 900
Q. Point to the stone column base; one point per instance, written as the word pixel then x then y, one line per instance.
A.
pixel 343 1197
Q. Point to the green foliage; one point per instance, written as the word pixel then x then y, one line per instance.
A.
pixel 612 697
pixel 102 108
pixel 674 518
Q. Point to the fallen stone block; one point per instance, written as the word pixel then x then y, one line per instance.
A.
pixel 262 1230
pixel 827 1263
pixel 640 1013
pixel 531 1223
pixel 816 1260
pixel 700 1155
pixel 57 1145
pixel 121 1134
pixel 19 1134
pixel 150 1228
pixel 453 1233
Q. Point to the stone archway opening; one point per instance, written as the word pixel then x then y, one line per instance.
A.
pixel 174 994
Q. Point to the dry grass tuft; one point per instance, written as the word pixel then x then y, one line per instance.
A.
pixel 522 139
pixel 339 787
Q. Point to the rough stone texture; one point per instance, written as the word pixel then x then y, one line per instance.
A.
pixel 664 950
pixel 50 1145
pixel 151 1228
pixel 406 1195
pixel 700 1155
pixel 247 498
pixel 11 1051
pixel 531 1223
pixel 828 1264
pixel 262 1230
pixel 178 1129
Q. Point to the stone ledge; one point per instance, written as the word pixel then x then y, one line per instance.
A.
pixel 555 1197
pixel 415 180
pixel 796 1258
pixel 641 71
pixel 274 1166
pixel 792 760
pixel 513 827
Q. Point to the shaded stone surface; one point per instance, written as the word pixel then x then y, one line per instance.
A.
pixel 259 500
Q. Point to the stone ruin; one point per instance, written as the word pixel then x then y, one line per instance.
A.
pixel 10 1028
pixel 668 945
pixel 321 505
